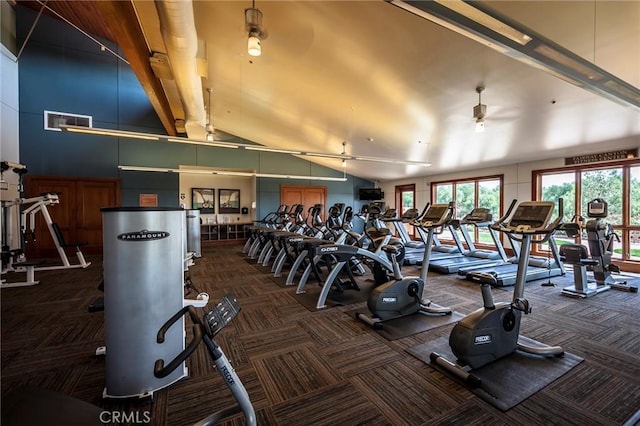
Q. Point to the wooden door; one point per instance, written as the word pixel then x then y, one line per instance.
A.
pixel 78 213
pixel 406 199
pixel 91 197
pixel 304 194
pixel 290 195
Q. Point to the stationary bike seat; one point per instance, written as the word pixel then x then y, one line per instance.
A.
pixel 489 277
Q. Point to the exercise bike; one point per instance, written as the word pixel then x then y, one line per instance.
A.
pixel 204 329
pixel 492 332
pixel 402 297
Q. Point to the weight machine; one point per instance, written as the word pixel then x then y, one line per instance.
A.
pixel 600 238
pixel 13 253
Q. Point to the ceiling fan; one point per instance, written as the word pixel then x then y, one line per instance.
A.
pixel 498 115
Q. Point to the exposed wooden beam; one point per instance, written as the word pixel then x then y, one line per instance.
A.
pixel 83 14
pixel 121 19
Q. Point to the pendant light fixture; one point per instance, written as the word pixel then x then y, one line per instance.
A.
pixel 253 25
pixel 479 111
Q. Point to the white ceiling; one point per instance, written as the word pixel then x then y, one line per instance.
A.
pixel 394 85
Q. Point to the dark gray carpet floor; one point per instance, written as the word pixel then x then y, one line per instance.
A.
pixel 324 367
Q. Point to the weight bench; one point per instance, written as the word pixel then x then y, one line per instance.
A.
pixel 30 269
pixel 63 245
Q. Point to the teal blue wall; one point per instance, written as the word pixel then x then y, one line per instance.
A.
pixel 62 70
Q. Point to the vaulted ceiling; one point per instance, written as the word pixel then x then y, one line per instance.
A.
pixel 387 82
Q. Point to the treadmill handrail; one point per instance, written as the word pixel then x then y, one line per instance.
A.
pixel 508 213
pixel 417 219
pixel 424 210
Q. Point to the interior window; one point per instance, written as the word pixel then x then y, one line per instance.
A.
pixel 617 184
pixel 634 202
pixel 560 185
pixel 554 187
pixel 405 200
pixel 468 194
pixel 488 198
pixel 634 212
pixel 605 184
pixel 465 198
pixel 444 193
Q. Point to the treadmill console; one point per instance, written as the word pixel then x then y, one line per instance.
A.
pixel 388 214
pixel 380 205
pixel 478 215
pixel 409 215
pixel 531 216
pixel 436 215
pixel 373 211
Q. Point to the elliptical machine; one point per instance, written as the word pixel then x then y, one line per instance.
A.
pixel 205 329
pixel 492 332
pixel 401 297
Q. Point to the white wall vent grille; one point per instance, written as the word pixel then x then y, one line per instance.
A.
pixel 53 120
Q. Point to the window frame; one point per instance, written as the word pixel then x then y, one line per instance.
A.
pixel 624 230
pixel 399 189
pixel 475 180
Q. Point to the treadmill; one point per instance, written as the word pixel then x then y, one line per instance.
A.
pixel 439 250
pixel 431 223
pixel 429 234
pixel 538 267
pixel 473 258
pixel 413 249
pixel 515 247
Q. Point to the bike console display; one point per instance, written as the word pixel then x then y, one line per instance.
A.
pixel 221 314
pixel 597 208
